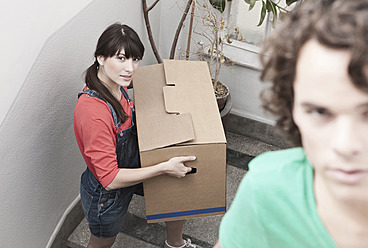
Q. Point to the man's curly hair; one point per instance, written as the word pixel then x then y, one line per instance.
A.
pixel 337 24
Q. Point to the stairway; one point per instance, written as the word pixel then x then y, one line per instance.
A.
pixel 202 231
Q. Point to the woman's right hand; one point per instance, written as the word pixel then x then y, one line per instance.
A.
pixel 175 167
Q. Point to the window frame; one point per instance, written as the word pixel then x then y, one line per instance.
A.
pixel 246 54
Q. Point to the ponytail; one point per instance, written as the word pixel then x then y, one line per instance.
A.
pixel 94 83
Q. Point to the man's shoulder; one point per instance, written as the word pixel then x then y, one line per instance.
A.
pixel 280 158
pixel 277 167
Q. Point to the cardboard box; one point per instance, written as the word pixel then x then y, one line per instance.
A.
pixel 177 115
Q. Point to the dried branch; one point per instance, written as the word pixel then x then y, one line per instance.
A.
pixel 148 27
pixel 175 41
pixel 204 35
pixel 153 5
pixel 190 30
pixel 217 70
pixel 213 24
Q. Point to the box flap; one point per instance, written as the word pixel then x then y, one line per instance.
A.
pixel 176 105
pixel 189 89
pixel 156 127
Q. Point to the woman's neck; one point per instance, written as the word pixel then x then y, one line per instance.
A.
pixel 111 86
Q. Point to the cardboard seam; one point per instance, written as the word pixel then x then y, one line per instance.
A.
pixel 181 145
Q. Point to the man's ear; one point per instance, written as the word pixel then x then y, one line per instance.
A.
pixel 101 60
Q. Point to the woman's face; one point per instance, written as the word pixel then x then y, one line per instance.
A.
pixel 117 69
pixel 332 117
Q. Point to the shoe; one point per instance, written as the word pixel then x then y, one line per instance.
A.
pixel 187 243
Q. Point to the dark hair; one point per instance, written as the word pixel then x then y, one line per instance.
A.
pixel 337 24
pixel 115 37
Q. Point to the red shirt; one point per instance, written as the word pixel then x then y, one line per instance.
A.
pixel 96 136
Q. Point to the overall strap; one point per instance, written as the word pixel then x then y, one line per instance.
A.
pixel 95 94
pixel 126 95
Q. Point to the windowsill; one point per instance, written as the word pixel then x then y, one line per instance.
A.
pixel 243 54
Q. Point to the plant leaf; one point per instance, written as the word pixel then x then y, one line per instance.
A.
pixel 290 2
pixel 218 4
pixel 228 39
pixel 251 3
pixel 263 14
pixel 271 7
pixel 274 18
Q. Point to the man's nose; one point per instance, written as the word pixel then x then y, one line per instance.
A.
pixel 347 138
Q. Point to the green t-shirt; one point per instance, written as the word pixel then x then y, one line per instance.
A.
pixel 275 206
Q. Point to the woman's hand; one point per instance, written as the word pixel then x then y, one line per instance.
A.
pixel 175 167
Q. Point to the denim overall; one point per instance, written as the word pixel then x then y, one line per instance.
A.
pixel 105 209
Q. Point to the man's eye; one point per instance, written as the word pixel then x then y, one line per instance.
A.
pixel 319 112
pixel 121 58
pixel 365 114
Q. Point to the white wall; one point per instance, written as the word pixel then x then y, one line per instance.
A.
pixel 25 26
pixel 170 16
pixel 47 47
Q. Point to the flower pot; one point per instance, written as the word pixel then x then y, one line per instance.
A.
pixel 224 102
pixel 222 92
pixel 225 112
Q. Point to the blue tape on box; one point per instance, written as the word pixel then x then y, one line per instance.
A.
pixel 185 213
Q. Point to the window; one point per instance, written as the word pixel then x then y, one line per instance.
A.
pixel 246 35
pixel 246 22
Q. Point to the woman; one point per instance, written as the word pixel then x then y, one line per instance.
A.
pixel 105 130
pixel 313 195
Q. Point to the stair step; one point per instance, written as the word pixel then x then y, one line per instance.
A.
pixel 240 150
pixel 247 145
pixel 138 233
pixel 80 237
pixel 202 231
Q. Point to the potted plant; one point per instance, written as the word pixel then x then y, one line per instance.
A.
pixel 211 32
pixel 212 29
